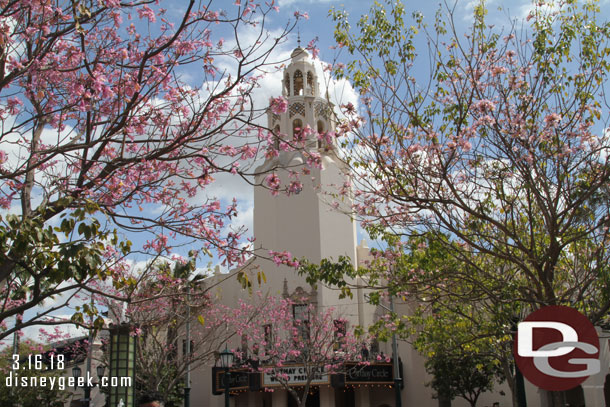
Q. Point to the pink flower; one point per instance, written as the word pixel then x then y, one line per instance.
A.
pixel 485 105
pixel 135 332
pixel 498 70
pixel 147 12
pixel 13 105
pixel 278 105
pixel 552 119
pixel 311 46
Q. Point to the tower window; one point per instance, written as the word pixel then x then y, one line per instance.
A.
pixel 297 128
pixel 339 334
pixel 300 313
pixel 287 83
pixel 267 329
pixel 276 139
pixel 298 83
pixel 320 132
pixel 244 346
pixel 320 126
pixel 310 86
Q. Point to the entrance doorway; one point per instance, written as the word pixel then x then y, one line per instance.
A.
pixel 345 397
pixel 575 397
pixel 313 399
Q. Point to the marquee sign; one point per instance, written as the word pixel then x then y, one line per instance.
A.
pixel 378 373
pixel 294 375
pixel 238 380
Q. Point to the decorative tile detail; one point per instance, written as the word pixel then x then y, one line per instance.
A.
pixel 297 108
pixel 322 110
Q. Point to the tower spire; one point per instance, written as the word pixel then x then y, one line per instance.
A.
pixel 299 37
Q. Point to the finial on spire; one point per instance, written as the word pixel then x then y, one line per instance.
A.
pixel 299 37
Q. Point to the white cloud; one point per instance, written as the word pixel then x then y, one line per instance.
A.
pixel 244 218
pixel 524 10
pixel 285 3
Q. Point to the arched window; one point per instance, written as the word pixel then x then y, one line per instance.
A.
pixel 374 347
pixel 297 128
pixel 298 83
pixel 287 83
pixel 320 131
pixel 276 140
pixel 310 83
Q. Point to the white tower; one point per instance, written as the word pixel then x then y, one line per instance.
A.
pixel 304 224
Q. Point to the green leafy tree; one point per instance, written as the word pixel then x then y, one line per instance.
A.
pixel 29 396
pixel 465 375
pixel 33 396
pixel 500 154
pixel 453 310
pixel 502 151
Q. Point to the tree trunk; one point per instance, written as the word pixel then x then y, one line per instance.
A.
pixel 556 398
pixel 444 401
pixel 510 379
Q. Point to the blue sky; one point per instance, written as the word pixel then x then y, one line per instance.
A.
pixel 320 26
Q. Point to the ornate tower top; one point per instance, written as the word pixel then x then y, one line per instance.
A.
pixel 299 53
pixel 308 115
pixel 300 77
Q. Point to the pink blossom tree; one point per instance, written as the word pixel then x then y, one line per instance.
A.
pixel 502 150
pixel 289 337
pixel 104 134
pixel 168 308
pixel 499 152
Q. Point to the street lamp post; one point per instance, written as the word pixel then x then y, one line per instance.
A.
pixel 226 361
pixel 519 382
pixel 187 350
pixel 397 378
pixel 76 372
pixel 100 372
pixel 395 361
pixel 187 347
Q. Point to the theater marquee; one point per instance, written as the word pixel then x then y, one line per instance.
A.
pixel 295 376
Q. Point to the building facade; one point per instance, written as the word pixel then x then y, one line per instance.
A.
pixel 306 225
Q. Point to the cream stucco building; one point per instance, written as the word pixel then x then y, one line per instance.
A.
pixel 306 225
